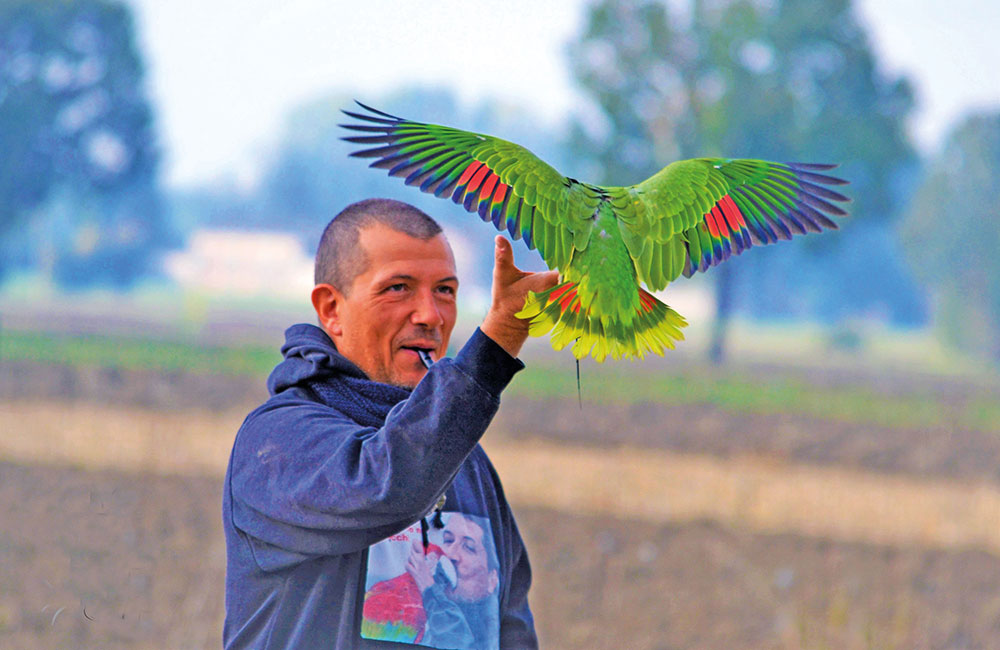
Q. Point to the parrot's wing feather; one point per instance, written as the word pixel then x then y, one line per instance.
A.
pixel 694 214
pixel 502 182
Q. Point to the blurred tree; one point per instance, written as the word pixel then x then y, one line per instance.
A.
pixel 952 239
pixel 78 189
pixel 769 79
pixel 311 177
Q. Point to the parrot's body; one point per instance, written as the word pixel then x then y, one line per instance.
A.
pixel 605 241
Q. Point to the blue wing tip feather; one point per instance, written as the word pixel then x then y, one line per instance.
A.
pixel 376 111
pixel 382 127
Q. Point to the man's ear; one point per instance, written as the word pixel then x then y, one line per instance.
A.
pixel 328 302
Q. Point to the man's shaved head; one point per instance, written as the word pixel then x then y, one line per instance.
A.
pixel 340 257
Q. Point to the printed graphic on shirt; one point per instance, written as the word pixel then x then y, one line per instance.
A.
pixel 444 596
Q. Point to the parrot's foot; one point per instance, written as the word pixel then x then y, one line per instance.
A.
pixel 652 327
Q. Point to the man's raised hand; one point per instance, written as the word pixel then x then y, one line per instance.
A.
pixel 510 287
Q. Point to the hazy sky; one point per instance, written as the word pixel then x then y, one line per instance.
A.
pixel 224 73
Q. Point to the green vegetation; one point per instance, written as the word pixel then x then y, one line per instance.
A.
pixel 734 391
pixel 140 353
pixel 738 393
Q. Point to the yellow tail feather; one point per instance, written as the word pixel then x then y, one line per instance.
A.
pixel 651 328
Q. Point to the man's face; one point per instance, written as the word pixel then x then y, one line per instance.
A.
pixel 462 542
pixel 405 299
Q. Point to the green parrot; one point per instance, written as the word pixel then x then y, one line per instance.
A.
pixel 605 241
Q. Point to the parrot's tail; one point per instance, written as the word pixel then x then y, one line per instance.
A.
pixel 652 327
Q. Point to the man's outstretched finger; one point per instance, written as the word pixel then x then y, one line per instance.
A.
pixel 503 260
pixel 503 263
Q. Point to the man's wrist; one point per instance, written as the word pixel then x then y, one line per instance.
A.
pixel 510 338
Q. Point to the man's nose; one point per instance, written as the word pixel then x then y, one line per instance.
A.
pixel 426 311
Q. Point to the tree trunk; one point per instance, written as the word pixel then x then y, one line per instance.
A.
pixel 723 311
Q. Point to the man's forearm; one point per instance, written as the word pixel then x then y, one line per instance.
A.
pixel 343 484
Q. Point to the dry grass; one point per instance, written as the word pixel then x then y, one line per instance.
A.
pixel 752 493
pixel 91 436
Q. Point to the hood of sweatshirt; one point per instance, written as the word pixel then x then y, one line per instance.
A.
pixel 309 356
pixel 312 362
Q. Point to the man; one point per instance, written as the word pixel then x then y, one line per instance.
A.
pixel 458 609
pixel 332 476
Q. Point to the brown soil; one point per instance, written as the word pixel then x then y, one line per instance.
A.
pixel 952 453
pixel 112 560
pixel 109 560
pixel 99 558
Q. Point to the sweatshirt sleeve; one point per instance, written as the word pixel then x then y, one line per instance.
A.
pixel 305 479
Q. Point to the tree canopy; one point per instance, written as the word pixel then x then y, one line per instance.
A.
pixel 780 80
pixel 951 236
pixel 78 166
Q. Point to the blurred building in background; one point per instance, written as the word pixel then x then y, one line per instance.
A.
pixel 242 262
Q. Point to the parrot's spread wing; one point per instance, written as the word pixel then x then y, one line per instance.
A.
pixel 501 181
pixel 694 214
